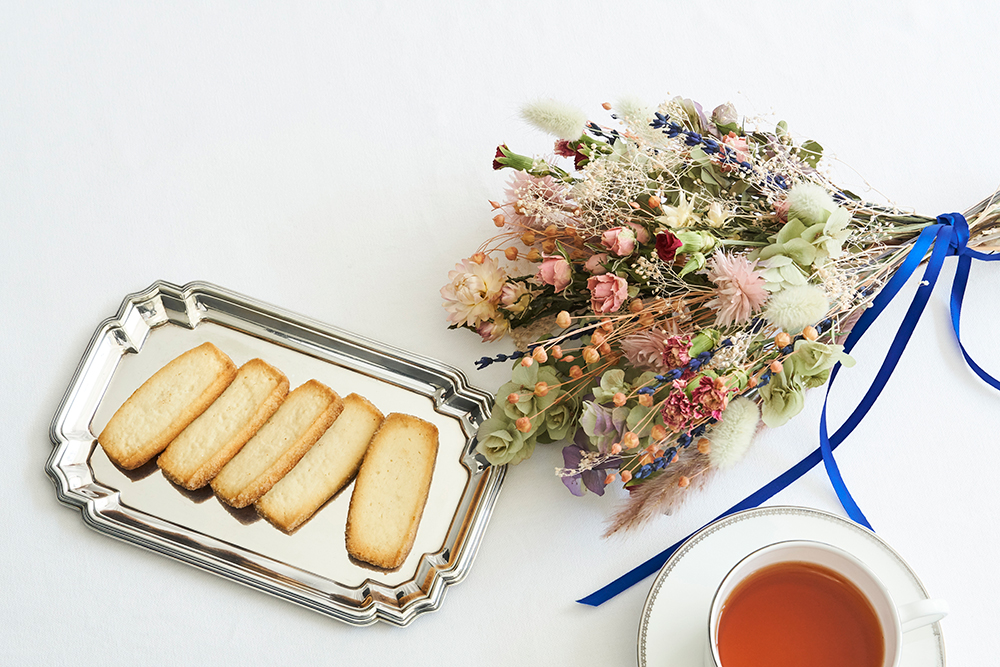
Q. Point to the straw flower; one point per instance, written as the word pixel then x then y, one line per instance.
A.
pixel 492 330
pixel 741 290
pixel 515 297
pixel 471 296
pixel 645 350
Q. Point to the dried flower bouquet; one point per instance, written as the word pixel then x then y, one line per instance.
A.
pixel 680 279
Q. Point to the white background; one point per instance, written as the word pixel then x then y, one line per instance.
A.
pixel 334 159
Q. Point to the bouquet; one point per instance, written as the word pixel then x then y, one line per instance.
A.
pixel 672 283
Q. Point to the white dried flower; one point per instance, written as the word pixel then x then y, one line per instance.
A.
pixel 717 216
pixel 562 120
pixel 731 437
pixel 679 216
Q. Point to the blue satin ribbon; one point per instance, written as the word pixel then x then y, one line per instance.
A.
pixel 948 236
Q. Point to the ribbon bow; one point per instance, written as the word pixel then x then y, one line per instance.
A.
pixel 949 235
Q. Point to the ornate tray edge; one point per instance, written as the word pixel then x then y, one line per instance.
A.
pixel 103 513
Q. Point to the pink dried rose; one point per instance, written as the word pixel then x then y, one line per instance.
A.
pixel 645 350
pixel 641 233
pixel 595 264
pixel 675 351
pixel 607 293
pixel 619 240
pixel 739 145
pixel 739 288
pixel 474 290
pixel 555 271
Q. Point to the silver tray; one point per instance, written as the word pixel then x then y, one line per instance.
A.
pixel 311 567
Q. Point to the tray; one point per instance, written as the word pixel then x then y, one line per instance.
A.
pixel 310 567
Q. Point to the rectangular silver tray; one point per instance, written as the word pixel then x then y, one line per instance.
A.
pixel 310 567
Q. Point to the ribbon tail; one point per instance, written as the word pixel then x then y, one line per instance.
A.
pixel 957 296
pixel 632 577
pixel 900 340
pixel 653 565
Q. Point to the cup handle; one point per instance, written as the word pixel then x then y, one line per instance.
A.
pixel 923 612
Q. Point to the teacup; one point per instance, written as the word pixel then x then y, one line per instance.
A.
pixel 835 569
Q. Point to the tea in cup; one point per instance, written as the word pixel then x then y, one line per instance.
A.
pixel 808 603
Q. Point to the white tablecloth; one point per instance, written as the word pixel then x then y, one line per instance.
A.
pixel 334 159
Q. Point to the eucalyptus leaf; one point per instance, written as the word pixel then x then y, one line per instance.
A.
pixel 730 127
pixel 811 152
pixel 699 157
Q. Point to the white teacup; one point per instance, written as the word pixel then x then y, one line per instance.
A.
pixel 895 621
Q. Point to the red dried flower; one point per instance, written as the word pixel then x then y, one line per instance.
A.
pixel 564 149
pixel 710 396
pixel 677 411
pixel 666 245
pixel 500 153
pixel 675 351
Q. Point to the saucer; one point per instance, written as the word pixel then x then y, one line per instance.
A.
pixel 674 624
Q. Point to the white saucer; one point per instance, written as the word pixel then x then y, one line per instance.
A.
pixel 674 623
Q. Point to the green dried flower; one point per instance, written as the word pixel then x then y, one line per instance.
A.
pixel 612 382
pixel 809 245
pixel 828 237
pixel 641 419
pixel 783 399
pixel 500 441
pixel 559 420
pixel 807 367
pixel 811 362
pixel 523 381
pixel 789 242
pixel 780 272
